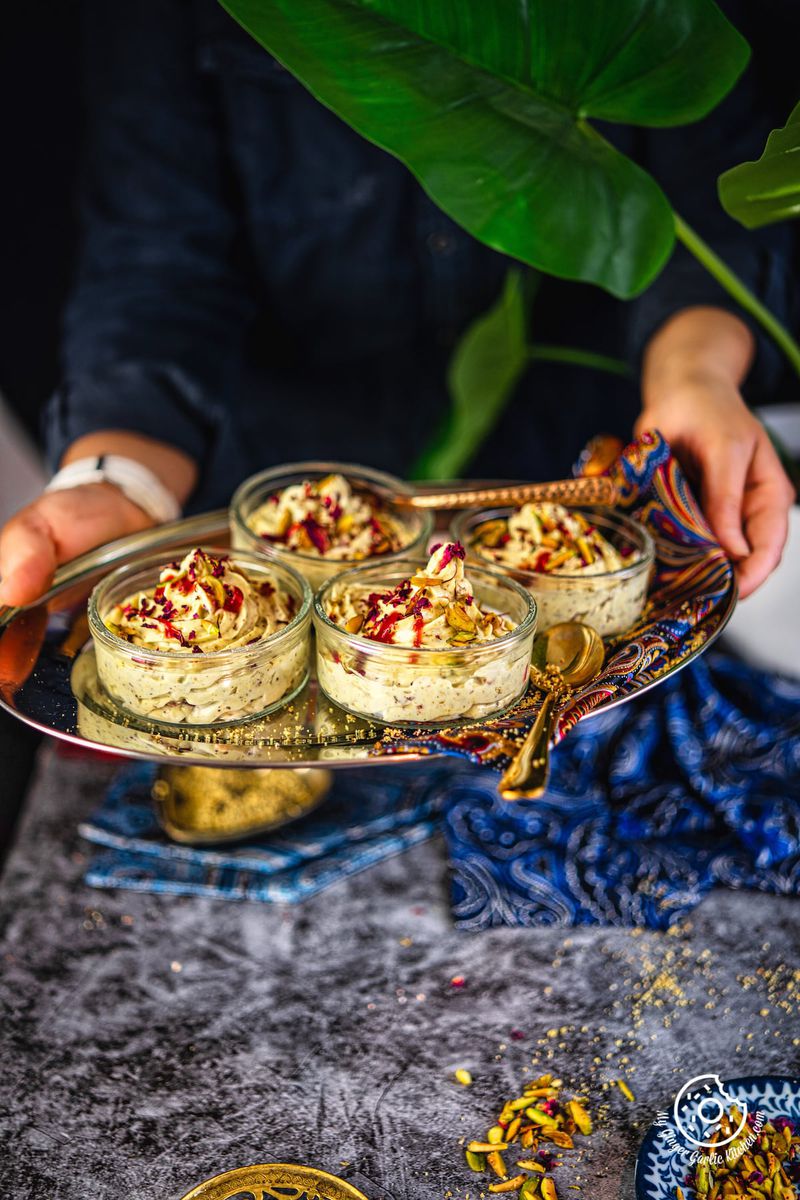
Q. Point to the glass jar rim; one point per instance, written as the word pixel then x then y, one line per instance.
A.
pixel 465 523
pixel 369 645
pixel 100 630
pixel 273 476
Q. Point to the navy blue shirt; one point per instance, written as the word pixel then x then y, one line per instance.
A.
pixel 257 283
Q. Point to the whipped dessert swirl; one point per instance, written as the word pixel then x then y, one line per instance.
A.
pixel 201 605
pixel 434 608
pixel 329 519
pixel 548 538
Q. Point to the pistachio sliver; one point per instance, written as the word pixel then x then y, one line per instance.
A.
pixel 508 1185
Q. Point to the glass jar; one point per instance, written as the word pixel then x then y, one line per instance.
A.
pixel 214 688
pixel 316 568
pixel 609 601
pixel 421 686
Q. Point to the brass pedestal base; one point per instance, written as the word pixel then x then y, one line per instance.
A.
pixel 197 805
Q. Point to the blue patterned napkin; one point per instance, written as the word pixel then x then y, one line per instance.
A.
pixel 692 786
pixel 367 817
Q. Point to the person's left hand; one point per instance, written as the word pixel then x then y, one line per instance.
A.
pixel 744 491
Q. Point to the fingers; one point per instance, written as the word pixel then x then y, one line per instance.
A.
pixel 57 527
pixel 767 500
pixel 724 466
pixel 27 557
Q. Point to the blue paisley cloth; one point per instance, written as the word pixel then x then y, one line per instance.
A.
pixel 692 786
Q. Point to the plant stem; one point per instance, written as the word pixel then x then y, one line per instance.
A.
pixel 544 352
pixel 734 286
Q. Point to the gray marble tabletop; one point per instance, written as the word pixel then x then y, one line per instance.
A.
pixel 150 1042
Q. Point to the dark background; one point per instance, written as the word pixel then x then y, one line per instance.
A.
pixel 40 99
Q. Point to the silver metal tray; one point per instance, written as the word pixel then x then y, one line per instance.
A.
pixel 48 680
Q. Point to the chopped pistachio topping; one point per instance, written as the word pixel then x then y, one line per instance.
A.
pixel 549 538
pixel 201 605
pixel 435 607
pixel 328 518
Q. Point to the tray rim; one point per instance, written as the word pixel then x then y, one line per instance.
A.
pixel 205 526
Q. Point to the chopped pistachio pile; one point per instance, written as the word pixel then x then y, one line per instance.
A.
pixel 516 1151
pixel 768 1166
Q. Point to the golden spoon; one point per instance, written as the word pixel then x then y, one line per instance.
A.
pixel 576 652
pixel 599 489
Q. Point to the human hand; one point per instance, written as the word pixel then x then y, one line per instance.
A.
pixel 56 527
pixel 63 524
pixel 691 394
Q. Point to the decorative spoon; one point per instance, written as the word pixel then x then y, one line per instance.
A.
pixel 575 654
pixel 598 489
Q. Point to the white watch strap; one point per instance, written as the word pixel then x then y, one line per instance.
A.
pixel 137 482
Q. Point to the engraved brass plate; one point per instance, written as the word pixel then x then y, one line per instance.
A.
pixel 49 682
pixel 275 1181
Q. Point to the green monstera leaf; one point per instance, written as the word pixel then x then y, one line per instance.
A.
pixel 488 102
pixel 760 193
pixel 486 367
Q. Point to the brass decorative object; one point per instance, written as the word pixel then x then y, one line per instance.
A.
pixel 275 1181
pixel 196 805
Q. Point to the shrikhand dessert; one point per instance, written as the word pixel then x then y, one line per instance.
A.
pixel 324 517
pixel 550 538
pixel 424 644
pixel 581 566
pixel 205 639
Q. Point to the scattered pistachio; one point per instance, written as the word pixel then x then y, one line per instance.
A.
pixel 475 1160
pixel 495 1160
pixel 508 1185
pixel 580 1116
pixel 538 1118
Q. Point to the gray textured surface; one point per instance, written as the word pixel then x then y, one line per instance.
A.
pixel 150 1042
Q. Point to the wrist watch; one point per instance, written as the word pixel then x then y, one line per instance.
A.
pixel 138 483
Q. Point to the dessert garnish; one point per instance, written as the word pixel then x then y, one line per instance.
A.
pixel 201 605
pixel 328 518
pixel 531 1129
pixel 550 538
pixel 433 608
pixel 762 1160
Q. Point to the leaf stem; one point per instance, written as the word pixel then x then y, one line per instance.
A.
pixel 545 352
pixel 740 292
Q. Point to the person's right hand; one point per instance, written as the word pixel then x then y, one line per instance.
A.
pixel 57 527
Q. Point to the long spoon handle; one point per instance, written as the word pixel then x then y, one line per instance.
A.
pixel 597 489
pixel 525 778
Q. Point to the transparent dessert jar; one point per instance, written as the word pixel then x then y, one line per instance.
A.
pixel 610 601
pixel 315 568
pixel 413 687
pixel 217 688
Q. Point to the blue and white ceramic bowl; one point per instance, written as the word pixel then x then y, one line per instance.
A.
pixel 665 1157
